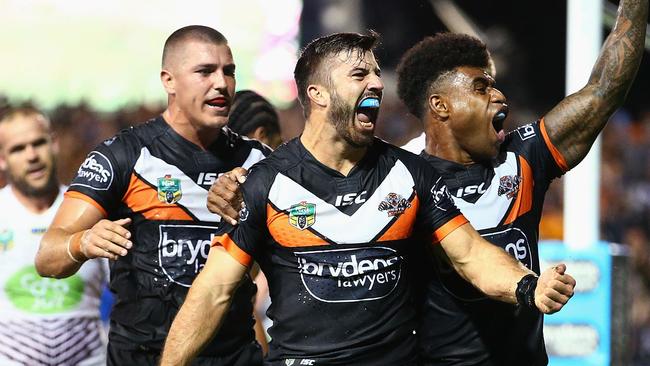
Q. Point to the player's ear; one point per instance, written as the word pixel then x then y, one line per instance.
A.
pixel 168 81
pixel 438 105
pixel 318 95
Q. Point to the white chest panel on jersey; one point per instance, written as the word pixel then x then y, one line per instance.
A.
pixel 488 211
pixel 364 224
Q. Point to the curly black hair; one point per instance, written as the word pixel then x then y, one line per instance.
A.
pixel 432 57
pixel 250 111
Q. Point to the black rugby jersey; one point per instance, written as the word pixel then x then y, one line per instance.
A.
pixel 504 203
pixel 335 250
pixel 161 180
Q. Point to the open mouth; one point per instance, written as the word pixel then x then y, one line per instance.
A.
pixel 218 102
pixel 498 121
pixel 368 111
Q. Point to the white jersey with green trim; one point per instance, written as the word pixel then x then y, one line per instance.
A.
pixel 45 321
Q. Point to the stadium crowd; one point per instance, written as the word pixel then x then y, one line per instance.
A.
pixel 625 177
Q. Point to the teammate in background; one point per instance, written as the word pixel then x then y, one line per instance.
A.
pixel 253 116
pixel 43 321
pixel 341 296
pixel 499 180
pixel 139 200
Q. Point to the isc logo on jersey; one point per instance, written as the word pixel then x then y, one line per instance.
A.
pixel 350 275
pixel 350 198
pixel 183 250
pixel 95 172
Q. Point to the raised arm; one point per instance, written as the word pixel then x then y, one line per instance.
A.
pixel 79 232
pixel 494 272
pixel 576 121
pixel 204 308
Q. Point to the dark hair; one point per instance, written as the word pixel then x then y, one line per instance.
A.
pixel 250 111
pixel 192 32
pixel 308 68
pixel 424 63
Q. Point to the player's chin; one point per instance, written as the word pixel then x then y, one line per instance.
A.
pixel 215 121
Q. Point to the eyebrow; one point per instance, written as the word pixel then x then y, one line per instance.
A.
pixel 484 79
pixel 377 70
pixel 213 66
pixel 39 141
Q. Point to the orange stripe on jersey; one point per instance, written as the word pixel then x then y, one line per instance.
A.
pixel 403 226
pixel 287 235
pixel 83 197
pixel 143 199
pixel 233 249
pixel 447 228
pixel 557 156
pixel 524 201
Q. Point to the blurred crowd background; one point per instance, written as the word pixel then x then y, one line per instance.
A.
pixel 529 56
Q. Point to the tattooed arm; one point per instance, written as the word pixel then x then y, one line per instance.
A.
pixel 576 121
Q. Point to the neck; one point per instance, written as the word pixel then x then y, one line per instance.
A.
pixel 323 142
pixel 200 136
pixel 36 204
pixel 441 143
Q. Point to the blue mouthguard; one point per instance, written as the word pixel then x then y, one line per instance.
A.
pixel 369 103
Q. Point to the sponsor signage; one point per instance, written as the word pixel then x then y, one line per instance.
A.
pixel 183 250
pixel 95 172
pixel 350 275
pixel 580 333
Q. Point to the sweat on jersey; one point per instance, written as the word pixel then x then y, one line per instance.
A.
pixel 335 250
pixel 160 180
pixel 504 204
pixel 45 321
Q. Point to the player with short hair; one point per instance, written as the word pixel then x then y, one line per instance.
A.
pixel 331 218
pixel 139 199
pixel 43 321
pixel 499 180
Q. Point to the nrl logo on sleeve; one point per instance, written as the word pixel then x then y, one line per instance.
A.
pixel 394 204
pixel 169 189
pixel 95 172
pixel 509 185
pixel 302 215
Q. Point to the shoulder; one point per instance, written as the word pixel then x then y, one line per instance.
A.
pixel 416 145
pixel 413 162
pixel 523 135
pixel 6 195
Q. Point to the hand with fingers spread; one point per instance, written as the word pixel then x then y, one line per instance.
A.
pixel 554 289
pixel 225 198
pixel 109 239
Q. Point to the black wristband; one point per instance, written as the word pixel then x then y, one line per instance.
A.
pixel 526 291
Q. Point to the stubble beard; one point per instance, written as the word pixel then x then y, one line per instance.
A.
pixel 21 184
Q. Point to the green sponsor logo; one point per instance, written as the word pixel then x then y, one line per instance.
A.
pixel 34 294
